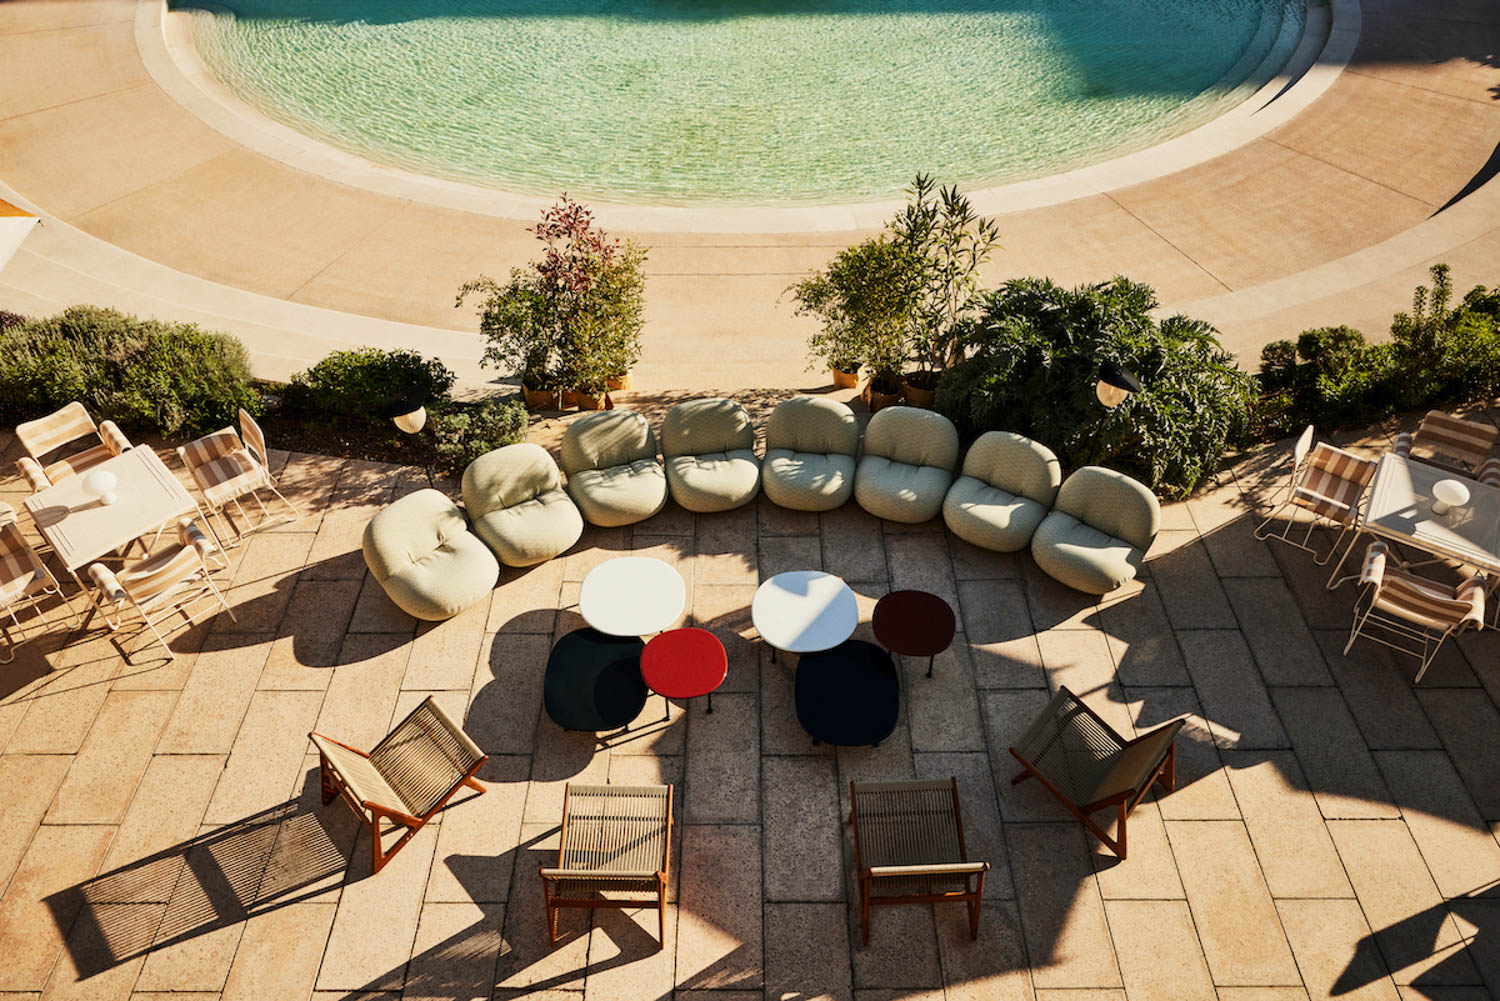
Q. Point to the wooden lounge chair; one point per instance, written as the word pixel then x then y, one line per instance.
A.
pixel 1089 767
pixel 616 840
pixel 406 778
pixel 1448 442
pixel 909 848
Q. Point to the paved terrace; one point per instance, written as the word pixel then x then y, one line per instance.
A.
pixel 1331 217
pixel 1332 833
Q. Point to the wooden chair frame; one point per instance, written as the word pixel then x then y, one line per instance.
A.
pixel 554 904
pixel 1163 772
pixel 973 899
pixel 371 814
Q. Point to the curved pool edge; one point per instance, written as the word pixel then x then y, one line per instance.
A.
pixel 165 44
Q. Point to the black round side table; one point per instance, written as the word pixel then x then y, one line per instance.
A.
pixel 849 695
pixel 593 681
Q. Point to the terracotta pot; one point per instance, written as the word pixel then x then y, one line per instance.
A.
pixel 587 401
pixel 569 398
pixel 539 399
pixel 619 383
pixel 844 380
pixel 877 400
pixel 916 396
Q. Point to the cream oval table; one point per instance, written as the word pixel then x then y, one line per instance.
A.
pixel 804 611
pixel 631 596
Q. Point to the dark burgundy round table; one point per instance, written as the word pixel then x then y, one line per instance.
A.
pixel 914 624
pixel 684 664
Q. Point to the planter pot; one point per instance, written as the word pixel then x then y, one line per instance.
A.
pixel 844 380
pixel 877 400
pixel 587 401
pixel 619 383
pixel 569 398
pixel 916 396
pixel 539 399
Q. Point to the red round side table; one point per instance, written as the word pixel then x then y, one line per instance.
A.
pixel 684 664
pixel 914 624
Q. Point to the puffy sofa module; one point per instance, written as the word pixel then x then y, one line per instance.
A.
pixel 908 464
pixel 1096 536
pixel 709 447
pixel 520 510
pixel 420 550
pixel 811 444
pixel 613 474
pixel 1009 483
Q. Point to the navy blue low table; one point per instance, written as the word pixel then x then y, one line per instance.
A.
pixel 849 695
pixel 593 681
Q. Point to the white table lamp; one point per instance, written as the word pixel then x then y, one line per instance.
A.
pixel 101 484
pixel 1448 494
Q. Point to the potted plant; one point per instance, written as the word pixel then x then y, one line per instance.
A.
pixel 568 323
pixel 863 299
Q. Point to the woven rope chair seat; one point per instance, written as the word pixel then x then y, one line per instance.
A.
pixel 1070 747
pixel 615 829
pixel 424 758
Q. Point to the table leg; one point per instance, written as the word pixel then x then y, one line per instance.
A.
pixel 710 701
pixel 929 664
pixel 773 654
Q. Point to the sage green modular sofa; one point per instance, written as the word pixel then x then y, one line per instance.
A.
pixel 1097 533
pixel 613 473
pixel 907 465
pixel 811 449
pixel 420 550
pixel 709 448
pixel 519 507
pixel 1007 486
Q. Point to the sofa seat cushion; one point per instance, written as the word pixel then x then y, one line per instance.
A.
pixel 619 495
pixel 420 550
pixel 900 492
pixel 532 531
pixel 1083 557
pixel 991 517
pixel 807 481
pixel 714 481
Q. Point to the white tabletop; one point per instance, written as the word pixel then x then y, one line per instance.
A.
pixel 80 529
pixel 1400 508
pixel 632 596
pixel 804 611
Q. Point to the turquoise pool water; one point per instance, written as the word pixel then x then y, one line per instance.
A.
pixel 743 101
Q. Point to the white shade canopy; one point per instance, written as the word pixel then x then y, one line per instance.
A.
pixel 14 225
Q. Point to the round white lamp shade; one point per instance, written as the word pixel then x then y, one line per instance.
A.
pixel 412 421
pixel 1448 494
pixel 101 483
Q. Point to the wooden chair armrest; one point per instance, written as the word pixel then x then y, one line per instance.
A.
pixel 934 869
pixel 622 875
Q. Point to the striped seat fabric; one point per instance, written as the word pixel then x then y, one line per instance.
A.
pixel 1334 482
pixel 228 466
pixel 163 584
pixel 46 435
pixel 1449 442
pixel 1419 600
pixel 1410 613
pixel 24 578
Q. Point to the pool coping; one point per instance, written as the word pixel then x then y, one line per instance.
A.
pixel 164 41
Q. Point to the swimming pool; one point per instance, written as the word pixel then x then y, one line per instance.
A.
pixel 693 102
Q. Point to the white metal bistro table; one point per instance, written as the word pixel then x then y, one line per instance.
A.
pixel 632 596
pixel 80 528
pixel 804 611
pixel 1400 509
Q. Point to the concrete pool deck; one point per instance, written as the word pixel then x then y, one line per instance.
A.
pixel 1331 217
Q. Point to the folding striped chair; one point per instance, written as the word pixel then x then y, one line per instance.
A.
pixel 164 584
pixel 1327 482
pixel 1448 442
pixel 1406 609
pixel 45 436
pixel 25 581
pixel 228 467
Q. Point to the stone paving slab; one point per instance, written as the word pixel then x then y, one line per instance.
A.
pixel 1331 833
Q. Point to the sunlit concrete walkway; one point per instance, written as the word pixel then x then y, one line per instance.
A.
pixel 1332 834
pixel 1329 218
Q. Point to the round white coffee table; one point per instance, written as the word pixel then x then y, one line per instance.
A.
pixel 804 611
pixel 631 596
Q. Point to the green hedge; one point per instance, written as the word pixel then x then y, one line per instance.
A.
pixel 357 383
pixel 462 433
pixel 1032 363
pixel 146 375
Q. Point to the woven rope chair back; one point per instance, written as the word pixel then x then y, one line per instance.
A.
pixel 425 757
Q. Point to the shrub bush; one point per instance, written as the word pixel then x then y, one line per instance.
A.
pixel 146 375
pixel 462 433
pixel 9 319
pixel 1034 356
pixel 357 383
